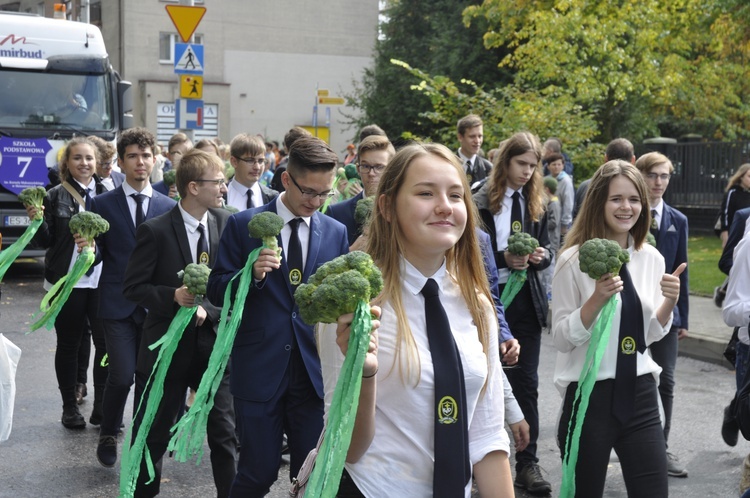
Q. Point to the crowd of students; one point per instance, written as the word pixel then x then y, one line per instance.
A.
pixel 439 233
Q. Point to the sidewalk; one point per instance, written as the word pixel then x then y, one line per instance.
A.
pixel 708 335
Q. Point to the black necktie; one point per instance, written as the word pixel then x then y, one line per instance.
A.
pixel 294 254
pixel 87 200
pixel 452 467
pixel 250 203
pixel 469 172
pixel 201 254
pixel 516 218
pixel 654 225
pixel 139 216
pixel 630 342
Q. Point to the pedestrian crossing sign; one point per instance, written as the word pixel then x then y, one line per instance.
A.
pixel 191 86
pixel 188 58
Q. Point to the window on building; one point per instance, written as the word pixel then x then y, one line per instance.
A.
pixel 166 46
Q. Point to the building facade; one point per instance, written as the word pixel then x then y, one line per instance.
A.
pixel 263 60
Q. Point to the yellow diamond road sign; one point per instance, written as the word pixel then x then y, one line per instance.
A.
pixel 331 101
pixel 186 19
pixel 191 86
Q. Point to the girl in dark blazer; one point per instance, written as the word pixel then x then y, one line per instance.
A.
pixel 77 172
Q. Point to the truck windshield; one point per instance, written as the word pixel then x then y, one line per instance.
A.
pixel 54 102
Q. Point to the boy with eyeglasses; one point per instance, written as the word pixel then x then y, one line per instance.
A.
pixel 248 158
pixel 373 154
pixel 166 244
pixel 276 375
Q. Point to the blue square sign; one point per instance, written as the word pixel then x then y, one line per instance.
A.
pixel 188 114
pixel 188 58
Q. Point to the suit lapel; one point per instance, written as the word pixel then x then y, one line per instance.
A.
pixel 313 247
pixel 666 222
pixel 178 225
pixel 213 238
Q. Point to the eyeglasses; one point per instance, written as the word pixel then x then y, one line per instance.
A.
pixel 219 183
pixel 252 160
pixel 663 177
pixel 375 168
pixel 308 195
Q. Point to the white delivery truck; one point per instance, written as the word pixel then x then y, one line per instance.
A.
pixel 56 82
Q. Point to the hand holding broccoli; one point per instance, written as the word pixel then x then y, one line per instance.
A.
pixel 521 247
pixel 601 259
pixel 85 227
pixel 266 226
pixel 33 200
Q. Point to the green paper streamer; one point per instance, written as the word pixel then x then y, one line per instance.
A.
pixel 53 301
pixel 327 203
pixel 329 464
pixel 594 353
pixel 133 454
pixel 190 431
pixel 9 255
pixel 516 279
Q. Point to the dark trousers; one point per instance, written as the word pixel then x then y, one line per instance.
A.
pixel 664 353
pixel 84 355
pixel 639 443
pixel 524 377
pixel 296 410
pixel 123 338
pixel 71 326
pixel 189 364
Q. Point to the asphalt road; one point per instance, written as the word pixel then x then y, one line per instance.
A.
pixel 43 459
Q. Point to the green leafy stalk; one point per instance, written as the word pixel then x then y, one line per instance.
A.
pixel 329 465
pixel 133 454
pixel 9 255
pixel 56 297
pixel 516 279
pixel 597 346
pixel 190 431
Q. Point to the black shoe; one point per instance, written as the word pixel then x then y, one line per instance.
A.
pixel 81 393
pixel 96 414
pixel 530 478
pixel 106 451
pixel 729 428
pixel 72 418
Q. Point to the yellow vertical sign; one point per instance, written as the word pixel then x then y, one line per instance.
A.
pixel 191 86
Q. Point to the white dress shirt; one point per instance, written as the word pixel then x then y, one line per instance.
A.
pixel 502 227
pixel 237 195
pixel 736 311
pixel 191 227
pixel 571 288
pixel 147 191
pixel 303 231
pixel 659 208
pixel 400 459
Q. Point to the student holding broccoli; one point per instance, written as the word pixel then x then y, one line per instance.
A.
pixel 189 233
pixel 423 238
pixel 512 201
pixel 275 375
pixel 623 409
pixel 79 185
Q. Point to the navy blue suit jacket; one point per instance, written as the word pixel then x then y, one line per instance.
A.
pixel 343 212
pixel 491 268
pixel 161 187
pixel 115 247
pixel 672 244
pixel 117 178
pixel 736 231
pixel 271 322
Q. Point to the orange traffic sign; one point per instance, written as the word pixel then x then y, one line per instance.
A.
pixel 186 19
pixel 331 101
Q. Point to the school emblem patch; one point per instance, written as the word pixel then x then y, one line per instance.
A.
pixel 295 277
pixel 627 346
pixel 447 410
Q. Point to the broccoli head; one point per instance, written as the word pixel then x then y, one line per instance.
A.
pixel 170 177
pixel 195 278
pixel 363 210
pixel 88 225
pixel 597 257
pixel 351 171
pixel 650 239
pixel 33 196
pixel 521 244
pixel 337 287
pixel 267 226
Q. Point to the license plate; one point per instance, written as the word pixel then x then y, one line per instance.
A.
pixel 17 221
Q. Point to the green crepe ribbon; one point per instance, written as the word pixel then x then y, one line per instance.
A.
pixel 594 353
pixel 9 255
pixel 329 464
pixel 56 297
pixel 327 203
pixel 133 454
pixel 190 430
pixel 516 279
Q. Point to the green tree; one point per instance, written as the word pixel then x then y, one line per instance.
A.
pixel 429 34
